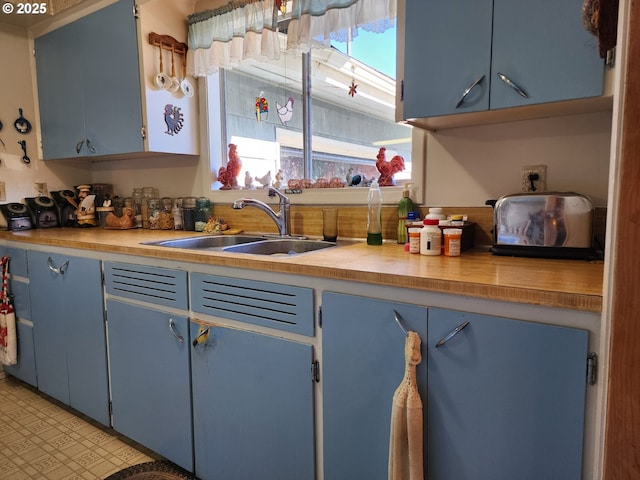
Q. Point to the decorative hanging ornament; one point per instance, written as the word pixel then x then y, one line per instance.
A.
pixel 353 88
pixel 173 118
pixel 282 6
pixel 262 108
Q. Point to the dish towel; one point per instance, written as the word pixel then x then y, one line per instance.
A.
pixel 406 438
pixel 8 337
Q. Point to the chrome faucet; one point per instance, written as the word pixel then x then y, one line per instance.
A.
pixel 282 218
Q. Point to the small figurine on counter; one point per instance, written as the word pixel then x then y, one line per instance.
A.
pixel 248 181
pixel 127 220
pixel 388 169
pixel 227 176
pixel 265 180
pixel 86 212
pixel 279 179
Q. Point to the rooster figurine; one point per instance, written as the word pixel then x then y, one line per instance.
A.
pixel 173 118
pixel 285 112
pixel 388 169
pixel 227 176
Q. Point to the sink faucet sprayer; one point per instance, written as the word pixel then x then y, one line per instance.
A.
pixel 282 218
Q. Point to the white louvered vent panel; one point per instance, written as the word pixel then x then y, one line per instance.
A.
pixel 161 286
pixel 273 305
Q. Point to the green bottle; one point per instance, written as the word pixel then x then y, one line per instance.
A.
pixel 405 205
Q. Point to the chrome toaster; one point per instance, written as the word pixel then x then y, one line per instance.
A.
pixel 550 224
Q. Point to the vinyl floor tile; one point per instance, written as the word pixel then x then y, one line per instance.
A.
pixel 42 439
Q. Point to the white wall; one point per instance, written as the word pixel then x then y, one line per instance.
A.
pixel 16 91
pixel 466 166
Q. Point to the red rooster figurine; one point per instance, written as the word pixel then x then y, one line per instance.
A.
pixel 388 169
pixel 227 176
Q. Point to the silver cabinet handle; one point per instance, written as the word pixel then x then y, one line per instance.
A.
pixel 172 328
pixel 451 334
pixel 513 85
pixel 57 270
pixel 90 146
pixel 468 91
pixel 79 146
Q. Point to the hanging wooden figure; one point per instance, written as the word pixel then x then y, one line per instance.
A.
pixel 353 88
pixel 282 6
pixel 285 112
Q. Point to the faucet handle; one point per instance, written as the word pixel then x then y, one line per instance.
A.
pixel 273 191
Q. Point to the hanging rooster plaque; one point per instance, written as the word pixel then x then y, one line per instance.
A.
pixel 173 118
pixel 285 112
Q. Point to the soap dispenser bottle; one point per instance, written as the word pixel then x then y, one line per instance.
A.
pixel 374 215
pixel 405 205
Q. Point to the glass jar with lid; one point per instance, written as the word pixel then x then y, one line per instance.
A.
pixel 203 213
pixel 154 206
pixel 189 213
pixel 165 219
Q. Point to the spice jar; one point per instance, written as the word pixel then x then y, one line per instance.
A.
pixel 203 213
pixel 177 214
pixel 165 220
pixel 189 213
pixel 136 197
pixel 153 208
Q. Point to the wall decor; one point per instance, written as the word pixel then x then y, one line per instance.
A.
pixel 173 118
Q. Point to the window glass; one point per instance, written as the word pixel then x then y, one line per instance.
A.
pixel 352 110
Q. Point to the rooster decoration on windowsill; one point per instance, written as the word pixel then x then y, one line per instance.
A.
pixel 388 169
pixel 227 176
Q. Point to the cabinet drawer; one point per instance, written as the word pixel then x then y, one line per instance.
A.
pixel 272 305
pixel 160 286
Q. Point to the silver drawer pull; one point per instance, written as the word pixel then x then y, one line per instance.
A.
pixel 513 85
pixel 79 146
pixel 90 146
pixel 451 334
pixel 468 91
pixel 57 270
pixel 172 328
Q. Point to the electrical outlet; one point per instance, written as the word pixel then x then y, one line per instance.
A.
pixel 3 193
pixel 533 178
pixel 41 188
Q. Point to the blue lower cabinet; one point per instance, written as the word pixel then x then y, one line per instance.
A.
pixel 506 398
pixel 150 383
pixel 18 285
pixel 363 363
pixel 69 331
pixel 253 406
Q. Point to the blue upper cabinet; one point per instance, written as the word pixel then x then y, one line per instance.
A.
pixel 464 56
pixel 89 86
pixel 96 92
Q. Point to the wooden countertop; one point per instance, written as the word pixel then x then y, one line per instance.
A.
pixel 573 284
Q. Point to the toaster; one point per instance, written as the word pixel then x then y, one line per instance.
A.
pixel 549 224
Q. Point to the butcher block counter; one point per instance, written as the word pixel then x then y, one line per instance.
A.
pixel 570 284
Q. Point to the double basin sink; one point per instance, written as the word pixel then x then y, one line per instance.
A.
pixel 254 244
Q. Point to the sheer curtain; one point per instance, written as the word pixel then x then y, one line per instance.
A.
pixel 227 35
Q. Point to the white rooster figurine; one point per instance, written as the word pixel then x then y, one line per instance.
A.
pixel 285 112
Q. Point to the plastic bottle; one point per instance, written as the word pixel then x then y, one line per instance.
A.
pixel 405 205
pixel 374 215
pixel 430 238
pixel 435 213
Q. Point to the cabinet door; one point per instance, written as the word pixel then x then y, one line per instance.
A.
pixel 59 67
pixel 362 366
pixel 545 49
pixel 112 95
pixel 150 387
pixel 252 406
pixel 89 85
pixel 69 335
pixel 506 399
pixel 447 48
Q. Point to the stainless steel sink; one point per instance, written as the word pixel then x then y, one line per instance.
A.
pixel 280 246
pixel 206 242
pixel 254 244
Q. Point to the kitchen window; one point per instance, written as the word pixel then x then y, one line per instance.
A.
pixel 260 107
